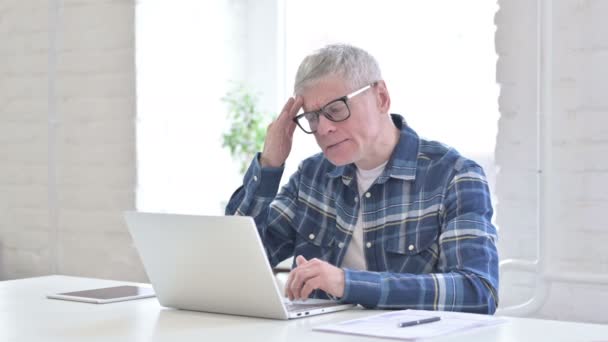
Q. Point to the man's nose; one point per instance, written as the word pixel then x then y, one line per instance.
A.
pixel 325 125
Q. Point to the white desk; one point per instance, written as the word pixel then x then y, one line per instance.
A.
pixel 26 315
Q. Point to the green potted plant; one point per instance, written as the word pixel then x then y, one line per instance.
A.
pixel 247 130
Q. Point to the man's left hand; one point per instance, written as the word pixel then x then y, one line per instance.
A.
pixel 310 275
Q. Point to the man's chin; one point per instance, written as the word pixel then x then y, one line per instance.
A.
pixel 337 160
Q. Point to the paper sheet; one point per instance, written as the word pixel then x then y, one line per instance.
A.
pixel 386 324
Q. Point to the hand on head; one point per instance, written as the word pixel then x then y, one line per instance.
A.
pixel 279 135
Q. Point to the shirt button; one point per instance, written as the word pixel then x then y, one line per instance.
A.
pixel 368 195
pixel 341 245
pixel 368 245
pixel 411 247
pixel 311 236
pixel 255 178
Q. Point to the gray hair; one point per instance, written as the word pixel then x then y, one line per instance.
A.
pixel 355 65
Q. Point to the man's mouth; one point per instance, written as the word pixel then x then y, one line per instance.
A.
pixel 336 144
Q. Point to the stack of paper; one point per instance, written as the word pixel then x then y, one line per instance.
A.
pixel 388 324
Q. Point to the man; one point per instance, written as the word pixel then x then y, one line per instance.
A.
pixel 381 217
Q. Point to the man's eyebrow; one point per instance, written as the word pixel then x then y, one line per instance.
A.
pixel 319 108
pixel 312 110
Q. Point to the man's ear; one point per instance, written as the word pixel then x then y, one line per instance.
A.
pixel 383 99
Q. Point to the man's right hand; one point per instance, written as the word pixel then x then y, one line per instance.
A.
pixel 279 135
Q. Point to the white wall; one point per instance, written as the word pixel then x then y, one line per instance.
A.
pixel 577 235
pixel 67 151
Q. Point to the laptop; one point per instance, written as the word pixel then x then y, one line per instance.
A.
pixel 214 264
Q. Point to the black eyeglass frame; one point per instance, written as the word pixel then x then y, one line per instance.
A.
pixel 323 111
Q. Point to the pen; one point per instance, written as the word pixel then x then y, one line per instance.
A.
pixel 420 321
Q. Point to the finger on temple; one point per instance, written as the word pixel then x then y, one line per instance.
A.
pixel 287 107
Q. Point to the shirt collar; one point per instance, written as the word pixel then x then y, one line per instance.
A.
pixel 402 163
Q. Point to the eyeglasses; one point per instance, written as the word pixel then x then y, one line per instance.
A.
pixel 336 111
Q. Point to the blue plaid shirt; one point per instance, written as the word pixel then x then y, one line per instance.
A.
pixel 428 237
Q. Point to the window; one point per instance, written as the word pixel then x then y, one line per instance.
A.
pixel 437 57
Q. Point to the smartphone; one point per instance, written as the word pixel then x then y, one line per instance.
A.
pixel 107 294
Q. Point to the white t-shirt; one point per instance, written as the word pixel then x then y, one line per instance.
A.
pixel 355 256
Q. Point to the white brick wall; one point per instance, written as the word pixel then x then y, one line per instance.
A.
pixel 579 123
pixel 92 155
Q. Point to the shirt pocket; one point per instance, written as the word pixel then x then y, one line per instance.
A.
pixel 412 247
pixel 314 240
